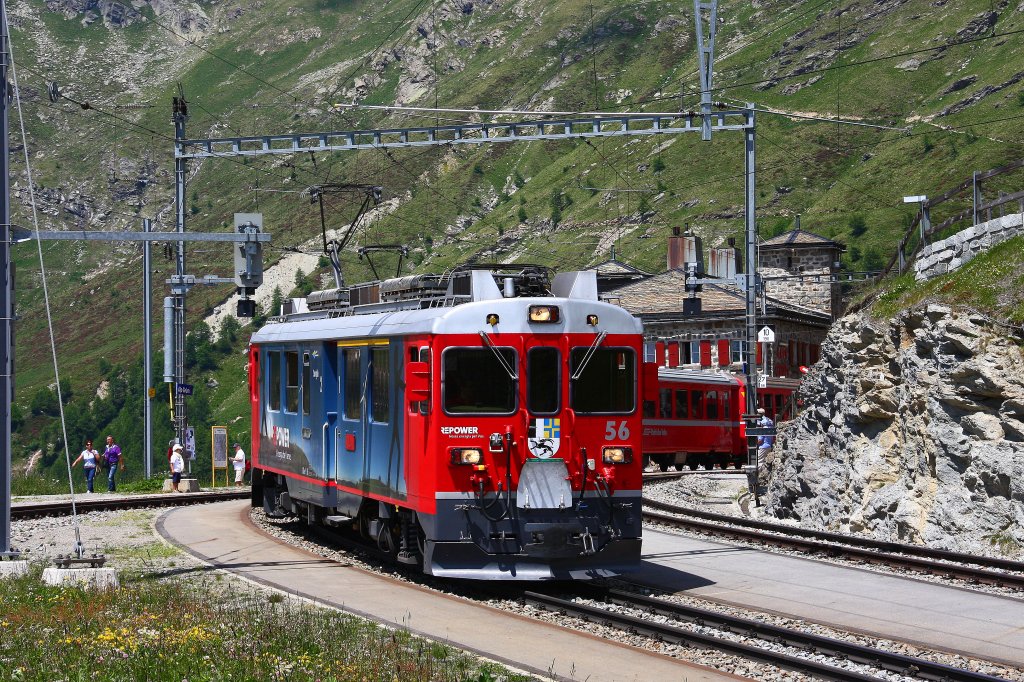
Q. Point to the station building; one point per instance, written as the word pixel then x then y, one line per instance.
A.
pixel 707 328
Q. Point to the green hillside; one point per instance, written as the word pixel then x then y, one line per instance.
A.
pixel 949 76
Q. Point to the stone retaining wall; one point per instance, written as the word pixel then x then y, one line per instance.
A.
pixel 950 253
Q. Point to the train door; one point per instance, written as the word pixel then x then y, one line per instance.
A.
pixel 382 422
pixel 318 409
pixel 349 432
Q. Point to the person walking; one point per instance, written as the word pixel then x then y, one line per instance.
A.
pixel 239 462
pixel 177 466
pixel 764 443
pixel 90 460
pixel 112 459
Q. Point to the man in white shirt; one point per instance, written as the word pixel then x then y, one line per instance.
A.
pixel 177 466
pixel 239 461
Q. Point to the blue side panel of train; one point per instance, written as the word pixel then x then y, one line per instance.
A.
pixel 331 417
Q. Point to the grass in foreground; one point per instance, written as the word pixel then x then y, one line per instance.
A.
pixel 159 631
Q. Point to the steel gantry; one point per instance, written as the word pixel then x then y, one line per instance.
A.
pixel 583 127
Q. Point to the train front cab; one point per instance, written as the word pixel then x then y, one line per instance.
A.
pixel 536 453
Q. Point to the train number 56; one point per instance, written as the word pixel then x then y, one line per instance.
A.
pixel 611 432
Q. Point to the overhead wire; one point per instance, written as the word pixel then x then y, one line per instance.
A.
pixel 79 546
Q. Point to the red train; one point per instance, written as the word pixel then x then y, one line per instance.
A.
pixel 481 424
pixel 696 419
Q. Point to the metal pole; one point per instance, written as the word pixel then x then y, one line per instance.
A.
pixel 180 115
pixel 6 298
pixel 147 360
pixel 750 368
pixel 706 60
pixel 926 222
pixel 975 198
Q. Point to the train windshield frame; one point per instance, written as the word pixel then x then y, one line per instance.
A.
pixel 607 384
pixel 474 382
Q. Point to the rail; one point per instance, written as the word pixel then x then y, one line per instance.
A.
pixel 968 567
pixel 63 507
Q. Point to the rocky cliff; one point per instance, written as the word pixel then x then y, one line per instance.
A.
pixel 914 431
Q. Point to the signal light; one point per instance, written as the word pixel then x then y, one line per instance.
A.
pixel 617 455
pixel 543 313
pixel 471 456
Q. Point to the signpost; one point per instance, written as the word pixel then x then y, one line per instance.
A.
pixel 185 389
pixel 219 440
pixel 766 335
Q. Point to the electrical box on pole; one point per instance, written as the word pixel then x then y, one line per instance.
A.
pixel 248 262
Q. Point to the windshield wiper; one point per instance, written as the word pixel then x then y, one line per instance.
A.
pixel 590 354
pixel 497 354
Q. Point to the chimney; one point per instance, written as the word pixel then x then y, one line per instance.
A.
pixel 685 248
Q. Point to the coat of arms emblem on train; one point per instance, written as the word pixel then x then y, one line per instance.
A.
pixel 545 436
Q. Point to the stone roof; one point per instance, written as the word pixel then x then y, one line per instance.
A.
pixel 798 238
pixel 615 267
pixel 664 293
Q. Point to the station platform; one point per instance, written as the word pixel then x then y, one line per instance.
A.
pixel 928 614
pixel 222 536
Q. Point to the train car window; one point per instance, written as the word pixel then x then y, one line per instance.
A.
pixel 649 409
pixel 665 395
pixel 353 360
pixel 274 380
pixel 306 381
pixel 779 400
pixel 726 399
pixel 424 405
pixel 474 381
pixel 711 405
pixel 380 385
pixel 682 407
pixel 607 382
pixel 543 383
pixel 696 404
pixel 291 381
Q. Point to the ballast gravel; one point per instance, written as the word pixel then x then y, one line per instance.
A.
pixel 297 534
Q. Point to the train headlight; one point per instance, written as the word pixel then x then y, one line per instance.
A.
pixel 467 456
pixel 492 319
pixel 617 455
pixel 543 313
pixel 592 320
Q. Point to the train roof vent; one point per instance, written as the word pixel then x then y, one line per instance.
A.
pixel 329 299
pixel 365 293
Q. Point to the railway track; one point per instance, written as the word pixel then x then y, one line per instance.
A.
pixel 63 507
pixel 968 567
pixel 801 642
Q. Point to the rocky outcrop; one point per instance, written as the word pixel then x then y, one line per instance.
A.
pixel 913 431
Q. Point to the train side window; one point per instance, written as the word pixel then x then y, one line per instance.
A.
pixel 291 381
pixel 696 404
pixel 274 381
pixel 725 404
pixel 711 405
pixel 380 385
pixel 353 361
pixel 424 405
pixel 543 383
pixel 778 405
pixel 666 403
pixel 306 382
pixel 649 409
pixel 682 407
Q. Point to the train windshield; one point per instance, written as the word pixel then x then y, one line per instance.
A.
pixel 474 381
pixel 607 384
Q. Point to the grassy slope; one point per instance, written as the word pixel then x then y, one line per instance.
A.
pixel 547 54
